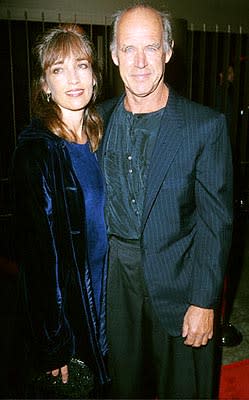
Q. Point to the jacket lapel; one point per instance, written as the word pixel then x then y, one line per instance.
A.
pixel 167 144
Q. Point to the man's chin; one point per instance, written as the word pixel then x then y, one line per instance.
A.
pixel 140 93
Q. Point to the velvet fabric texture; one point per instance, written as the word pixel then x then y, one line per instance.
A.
pixel 51 243
pixel 90 177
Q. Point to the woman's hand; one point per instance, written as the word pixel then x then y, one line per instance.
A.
pixel 63 371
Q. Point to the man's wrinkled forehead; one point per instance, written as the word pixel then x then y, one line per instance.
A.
pixel 140 24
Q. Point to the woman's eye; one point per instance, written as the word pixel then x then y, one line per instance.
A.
pixel 83 65
pixel 56 70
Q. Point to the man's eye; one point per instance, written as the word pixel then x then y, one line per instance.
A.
pixel 128 49
pixel 152 48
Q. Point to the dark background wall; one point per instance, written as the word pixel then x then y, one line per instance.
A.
pixel 196 12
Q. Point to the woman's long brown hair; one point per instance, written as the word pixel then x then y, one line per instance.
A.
pixel 57 43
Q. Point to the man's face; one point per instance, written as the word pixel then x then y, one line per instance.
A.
pixel 140 54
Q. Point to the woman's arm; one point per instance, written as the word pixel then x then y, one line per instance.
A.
pixel 38 254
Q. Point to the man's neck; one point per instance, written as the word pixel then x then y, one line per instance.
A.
pixel 141 105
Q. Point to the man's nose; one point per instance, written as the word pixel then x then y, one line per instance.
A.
pixel 141 60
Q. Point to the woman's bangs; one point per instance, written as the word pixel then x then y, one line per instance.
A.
pixel 64 46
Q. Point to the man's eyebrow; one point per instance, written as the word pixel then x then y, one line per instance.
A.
pixel 126 45
pixel 155 44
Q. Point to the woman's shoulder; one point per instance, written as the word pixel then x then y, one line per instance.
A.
pixel 37 137
pixel 37 132
pixel 36 144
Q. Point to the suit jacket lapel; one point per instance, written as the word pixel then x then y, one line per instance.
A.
pixel 167 144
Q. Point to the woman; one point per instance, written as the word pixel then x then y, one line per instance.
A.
pixel 59 200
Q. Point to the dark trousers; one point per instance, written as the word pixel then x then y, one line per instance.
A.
pixel 144 361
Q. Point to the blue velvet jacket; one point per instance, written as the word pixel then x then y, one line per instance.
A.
pixel 52 255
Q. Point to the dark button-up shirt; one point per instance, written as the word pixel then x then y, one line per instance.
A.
pixel 127 159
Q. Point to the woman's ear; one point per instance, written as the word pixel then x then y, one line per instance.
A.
pixel 46 90
pixel 44 86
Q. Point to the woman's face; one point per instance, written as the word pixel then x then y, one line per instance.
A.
pixel 70 82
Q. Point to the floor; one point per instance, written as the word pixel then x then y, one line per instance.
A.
pixel 239 316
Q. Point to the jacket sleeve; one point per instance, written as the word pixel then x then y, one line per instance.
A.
pixel 37 255
pixel 214 205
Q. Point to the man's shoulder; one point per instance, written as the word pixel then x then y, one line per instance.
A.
pixel 106 107
pixel 197 109
pixel 196 119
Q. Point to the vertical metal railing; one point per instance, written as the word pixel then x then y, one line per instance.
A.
pixel 12 77
pixel 244 142
pixel 190 56
pixel 236 92
pixel 202 65
pixel 245 106
pixel 105 72
pixel 28 61
pixel 225 65
pixel 214 67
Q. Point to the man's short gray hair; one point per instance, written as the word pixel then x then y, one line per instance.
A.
pixel 166 23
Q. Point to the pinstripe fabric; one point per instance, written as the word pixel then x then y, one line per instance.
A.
pixel 187 218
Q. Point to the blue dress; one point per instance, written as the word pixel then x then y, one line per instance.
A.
pixel 90 178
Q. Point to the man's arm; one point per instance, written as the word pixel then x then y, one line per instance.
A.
pixel 213 196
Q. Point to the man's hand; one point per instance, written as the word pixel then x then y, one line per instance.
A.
pixel 198 326
pixel 63 371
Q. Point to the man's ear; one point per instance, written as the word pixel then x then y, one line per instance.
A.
pixel 169 53
pixel 115 58
pixel 168 56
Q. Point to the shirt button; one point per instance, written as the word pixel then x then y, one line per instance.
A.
pixel 133 201
pixel 129 157
pixel 130 171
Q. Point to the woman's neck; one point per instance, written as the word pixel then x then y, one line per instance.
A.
pixel 74 121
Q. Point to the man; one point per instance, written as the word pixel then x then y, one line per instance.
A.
pixel 168 170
